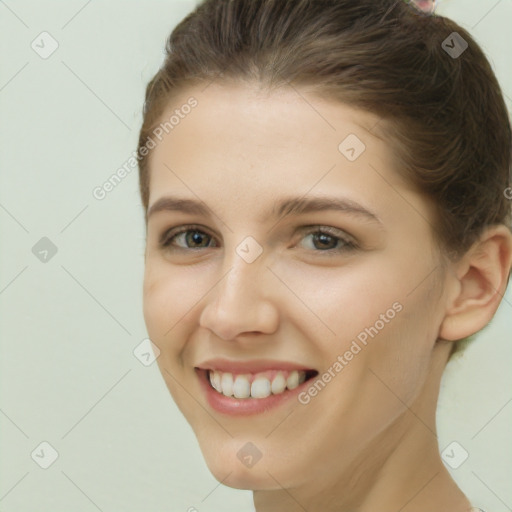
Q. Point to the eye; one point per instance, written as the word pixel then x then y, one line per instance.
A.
pixel 329 240
pixel 324 239
pixel 187 234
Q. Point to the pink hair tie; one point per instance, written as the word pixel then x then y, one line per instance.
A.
pixel 425 6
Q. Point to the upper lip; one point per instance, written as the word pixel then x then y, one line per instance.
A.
pixel 252 366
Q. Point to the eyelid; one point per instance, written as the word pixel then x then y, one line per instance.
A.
pixel 330 230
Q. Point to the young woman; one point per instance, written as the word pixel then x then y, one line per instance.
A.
pixel 326 186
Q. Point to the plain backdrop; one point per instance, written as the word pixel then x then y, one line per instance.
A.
pixel 71 269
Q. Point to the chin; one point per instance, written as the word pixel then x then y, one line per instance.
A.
pixel 226 466
pixel 237 476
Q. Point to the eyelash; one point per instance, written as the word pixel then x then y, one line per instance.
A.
pixel 348 245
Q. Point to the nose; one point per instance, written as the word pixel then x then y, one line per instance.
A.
pixel 241 301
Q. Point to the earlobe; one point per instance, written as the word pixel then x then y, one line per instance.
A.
pixel 481 280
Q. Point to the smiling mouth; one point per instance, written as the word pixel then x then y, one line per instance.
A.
pixel 256 385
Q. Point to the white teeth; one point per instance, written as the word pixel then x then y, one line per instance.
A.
pixel 293 380
pixel 261 386
pixel 242 387
pixel 226 382
pixel 279 383
pixel 215 380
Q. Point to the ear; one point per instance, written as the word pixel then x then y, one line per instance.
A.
pixel 480 279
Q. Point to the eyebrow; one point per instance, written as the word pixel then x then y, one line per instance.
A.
pixel 285 206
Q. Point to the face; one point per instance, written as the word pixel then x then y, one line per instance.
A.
pixel 339 290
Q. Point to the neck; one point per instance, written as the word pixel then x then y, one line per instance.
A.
pixel 401 469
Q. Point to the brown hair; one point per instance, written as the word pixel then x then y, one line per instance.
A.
pixel 443 114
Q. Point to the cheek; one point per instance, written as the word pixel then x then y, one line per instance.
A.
pixel 376 315
pixel 164 302
pixel 167 293
pixel 400 356
pixel 155 302
pixel 338 303
pixel 164 310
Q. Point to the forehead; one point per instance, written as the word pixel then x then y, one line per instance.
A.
pixel 244 147
pixel 235 112
pixel 283 130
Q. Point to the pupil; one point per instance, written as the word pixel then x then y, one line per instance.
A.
pixel 324 238
pixel 196 237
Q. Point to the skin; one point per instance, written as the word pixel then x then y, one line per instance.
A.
pixel 368 440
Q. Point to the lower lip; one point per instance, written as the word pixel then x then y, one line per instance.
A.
pixel 244 406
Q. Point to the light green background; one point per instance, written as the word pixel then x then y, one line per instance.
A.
pixel 69 326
